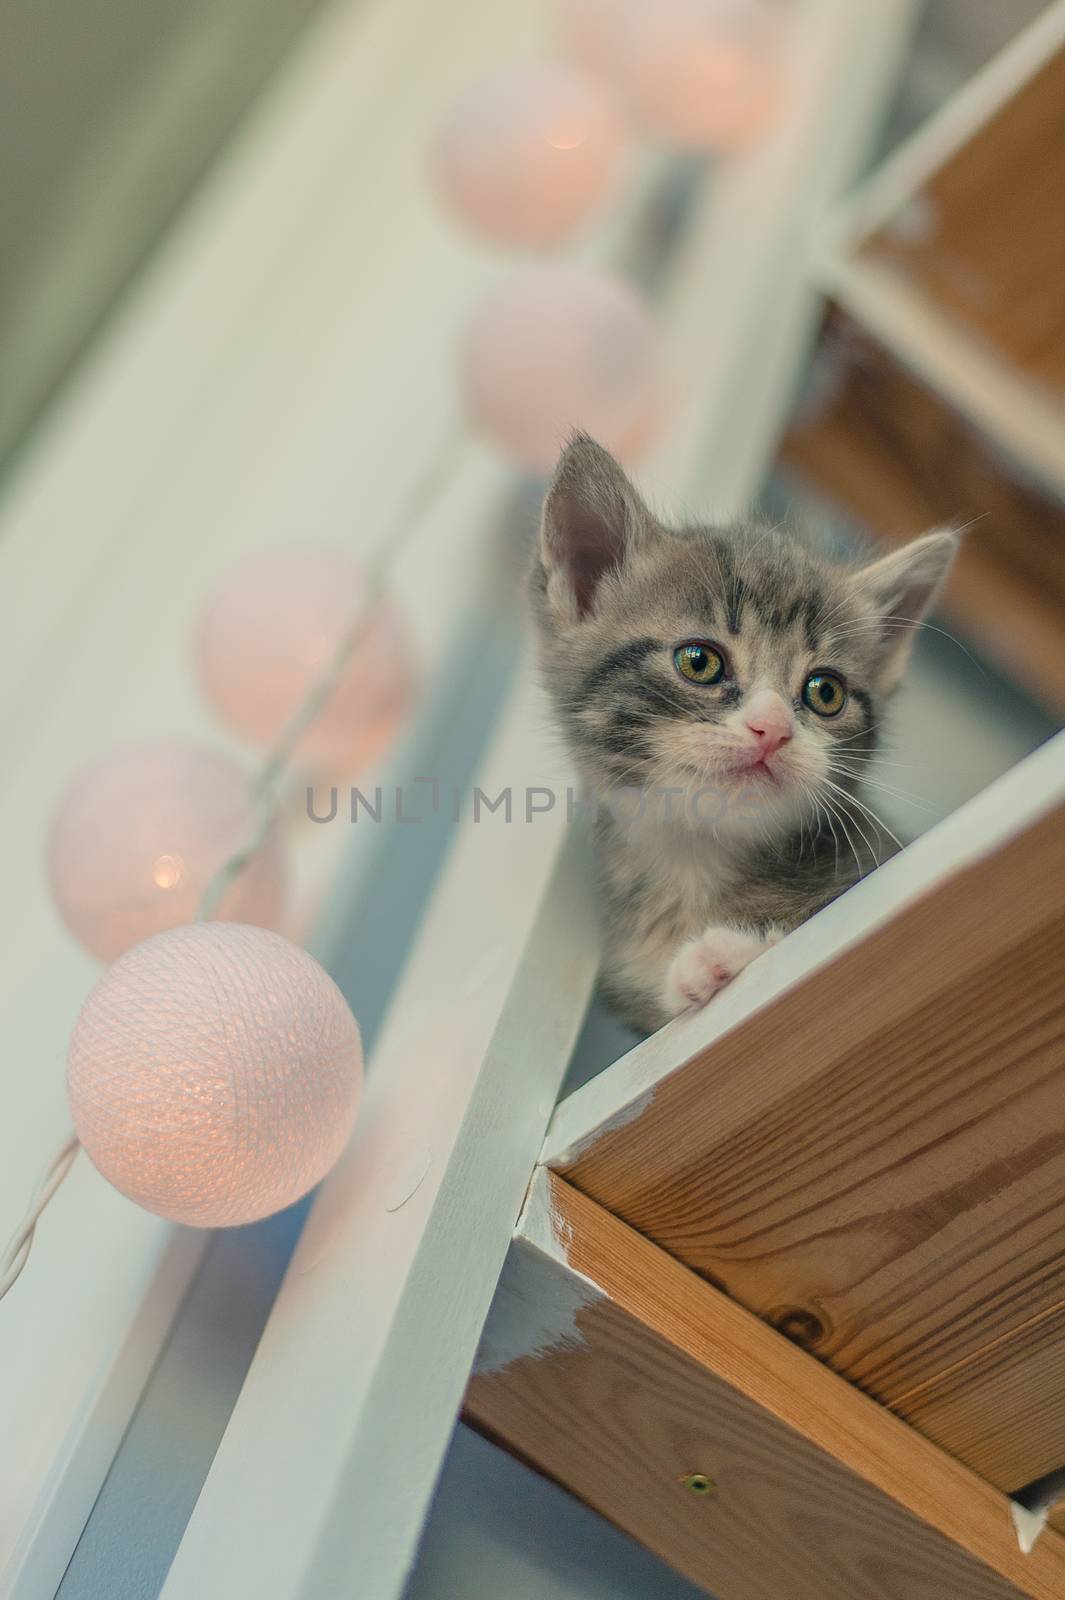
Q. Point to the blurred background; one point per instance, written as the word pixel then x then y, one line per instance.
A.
pixel 134 133
pixel 111 112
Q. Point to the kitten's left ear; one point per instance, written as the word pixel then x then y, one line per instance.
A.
pixel 901 587
pixel 594 519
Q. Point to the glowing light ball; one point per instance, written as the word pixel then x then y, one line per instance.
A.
pixel 561 347
pixel 593 30
pixel 214 1074
pixel 528 152
pixel 271 631
pixel 703 74
pixel 140 833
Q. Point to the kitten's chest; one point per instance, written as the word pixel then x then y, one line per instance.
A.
pixel 667 883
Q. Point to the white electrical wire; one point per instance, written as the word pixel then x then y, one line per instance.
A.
pixel 15 1256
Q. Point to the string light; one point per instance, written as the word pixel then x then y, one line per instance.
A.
pixel 267 632
pixel 139 835
pixel 560 347
pixel 268 780
pixel 702 74
pixel 528 152
pixel 523 159
pixel 214 1074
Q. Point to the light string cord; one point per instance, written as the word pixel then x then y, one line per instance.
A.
pixel 267 782
pixel 17 1253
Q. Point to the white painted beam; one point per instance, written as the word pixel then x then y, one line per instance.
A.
pixel 325 1471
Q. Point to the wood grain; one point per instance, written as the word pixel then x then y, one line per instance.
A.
pixel 1000 1410
pixel 820 1492
pixel 876 439
pixel 875 1163
pixel 986 234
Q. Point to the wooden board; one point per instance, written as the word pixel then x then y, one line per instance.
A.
pixel 984 234
pixel 879 440
pixel 638 1373
pixel 1020 1378
pixel 875 1162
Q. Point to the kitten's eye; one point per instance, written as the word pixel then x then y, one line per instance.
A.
pixel 825 693
pixel 699 663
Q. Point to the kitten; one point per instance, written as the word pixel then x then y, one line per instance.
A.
pixel 722 692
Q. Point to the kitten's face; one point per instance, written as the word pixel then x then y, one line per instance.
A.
pixel 729 668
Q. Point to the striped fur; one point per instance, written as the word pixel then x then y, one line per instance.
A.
pixel 692 846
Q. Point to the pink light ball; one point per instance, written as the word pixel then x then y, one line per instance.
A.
pixel 214 1074
pixel 272 630
pixel 528 152
pixel 560 347
pixel 593 31
pixel 702 74
pixel 138 837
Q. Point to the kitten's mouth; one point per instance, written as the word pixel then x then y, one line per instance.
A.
pixel 759 769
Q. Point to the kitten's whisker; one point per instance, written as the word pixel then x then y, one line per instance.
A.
pixel 859 823
pixel 862 733
pixel 873 758
pixel 835 837
pixel 877 822
pixel 904 623
pixel 809 795
pixel 898 794
pixel 823 618
pixel 846 831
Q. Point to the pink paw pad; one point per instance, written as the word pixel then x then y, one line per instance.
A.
pixel 704 965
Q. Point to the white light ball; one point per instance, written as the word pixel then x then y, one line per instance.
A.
pixel 138 837
pixel 560 347
pixel 528 152
pixel 270 632
pixel 702 74
pixel 214 1074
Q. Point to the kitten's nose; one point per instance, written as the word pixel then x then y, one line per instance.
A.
pixel 768 717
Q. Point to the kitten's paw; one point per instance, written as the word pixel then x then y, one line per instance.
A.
pixel 704 965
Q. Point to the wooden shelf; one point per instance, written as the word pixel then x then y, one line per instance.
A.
pixel 609 1366
pixel 983 233
pixel 854 1160
pixel 939 386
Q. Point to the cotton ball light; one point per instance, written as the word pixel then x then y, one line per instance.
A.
pixel 138 837
pixel 214 1074
pixel 592 31
pixel 272 630
pixel 702 74
pixel 528 152
pixel 560 347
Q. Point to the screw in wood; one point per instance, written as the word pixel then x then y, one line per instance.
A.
pixel 699 1483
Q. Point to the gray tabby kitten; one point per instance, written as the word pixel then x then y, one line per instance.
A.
pixel 722 691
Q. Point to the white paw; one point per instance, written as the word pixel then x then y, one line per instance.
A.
pixel 704 965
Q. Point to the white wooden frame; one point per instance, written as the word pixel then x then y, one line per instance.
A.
pixel 325 1472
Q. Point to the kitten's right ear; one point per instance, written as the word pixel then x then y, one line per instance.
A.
pixel 593 519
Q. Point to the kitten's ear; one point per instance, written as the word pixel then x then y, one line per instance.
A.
pixel 901 587
pixel 593 519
